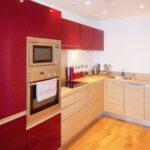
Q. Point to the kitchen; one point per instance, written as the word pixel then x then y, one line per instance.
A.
pixel 109 110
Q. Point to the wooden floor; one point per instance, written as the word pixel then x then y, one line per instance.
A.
pixel 112 134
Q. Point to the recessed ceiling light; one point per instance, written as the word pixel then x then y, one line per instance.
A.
pixel 104 12
pixel 141 6
pixel 51 10
pixel 88 2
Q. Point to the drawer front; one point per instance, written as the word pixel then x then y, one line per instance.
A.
pixel 74 98
pixel 75 108
pixel 73 125
pixel 147 103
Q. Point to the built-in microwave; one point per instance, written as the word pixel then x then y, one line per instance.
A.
pixel 43 52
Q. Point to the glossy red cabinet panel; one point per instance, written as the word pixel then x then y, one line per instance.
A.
pixel 71 35
pixel 98 41
pixel 45 136
pixel 86 37
pixel 19 20
pixel 43 22
pixel 12 57
pixel 13 135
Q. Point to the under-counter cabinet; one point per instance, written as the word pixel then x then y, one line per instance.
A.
pixel 147 102
pixel 13 135
pixel 134 100
pixel 81 108
pixel 45 135
pixel 114 100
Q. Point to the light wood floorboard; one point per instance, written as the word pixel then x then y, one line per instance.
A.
pixel 112 134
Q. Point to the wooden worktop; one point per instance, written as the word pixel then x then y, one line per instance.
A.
pixel 88 80
pixel 95 78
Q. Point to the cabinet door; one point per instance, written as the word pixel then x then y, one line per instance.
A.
pixel 134 100
pixel 70 35
pixel 98 42
pixel 147 102
pixel 115 97
pixel 87 37
pixel 45 136
pixel 13 135
pixel 43 22
pixel 12 57
pixel 97 92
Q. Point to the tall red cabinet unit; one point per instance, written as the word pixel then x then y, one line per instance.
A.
pixel 19 20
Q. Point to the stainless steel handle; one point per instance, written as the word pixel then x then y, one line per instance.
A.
pixel 43 80
pixel 138 84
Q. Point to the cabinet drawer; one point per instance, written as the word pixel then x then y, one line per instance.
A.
pixel 147 103
pixel 75 108
pixel 74 98
pixel 74 124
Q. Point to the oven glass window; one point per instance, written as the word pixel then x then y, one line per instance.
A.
pixel 37 106
pixel 42 54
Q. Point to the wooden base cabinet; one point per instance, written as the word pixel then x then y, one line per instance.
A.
pixel 134 100
pixel 45 136
pixel 114 97
pixel 147 102
pixel 13 135
pixel 81 108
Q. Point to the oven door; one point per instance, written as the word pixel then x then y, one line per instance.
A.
pixel 37 105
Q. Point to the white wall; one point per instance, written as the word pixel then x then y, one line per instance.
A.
pixel 127 44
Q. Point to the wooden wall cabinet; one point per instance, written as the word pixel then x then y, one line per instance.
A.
pixel 115 97
pixel 134 100
pixel 71 38
pixel 46 135
pixel 79 109
pixel 13 135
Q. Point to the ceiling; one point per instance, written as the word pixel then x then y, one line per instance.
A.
pixel 103 9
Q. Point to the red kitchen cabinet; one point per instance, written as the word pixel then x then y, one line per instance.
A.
pixel 86 37
pixel 71 35
pixel 43 22
pixel 19 20
pixel 12 57
pixel 45 136
pixel 98 41
pixel 13 135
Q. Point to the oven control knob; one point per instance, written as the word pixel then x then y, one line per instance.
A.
pixel 49 75
pixel 54 74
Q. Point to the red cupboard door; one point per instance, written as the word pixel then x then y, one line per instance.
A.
pixel 98 42
pixel 45 136
pixel 71 35
pixel 13 135
pixel 43 22
pixel 87 37
pixel 12 57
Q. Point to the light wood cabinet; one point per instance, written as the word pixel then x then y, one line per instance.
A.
pixel 114 97
pixel 147 102
pixel 81 108
pixel 134 100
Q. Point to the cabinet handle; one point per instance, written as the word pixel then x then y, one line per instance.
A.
pixel 147 86
pixel 138 84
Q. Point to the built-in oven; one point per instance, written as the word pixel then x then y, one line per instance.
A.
pixel 43 79
pixel 47 96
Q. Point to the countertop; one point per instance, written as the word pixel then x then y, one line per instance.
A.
pixel 88 80
pixel 95 78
